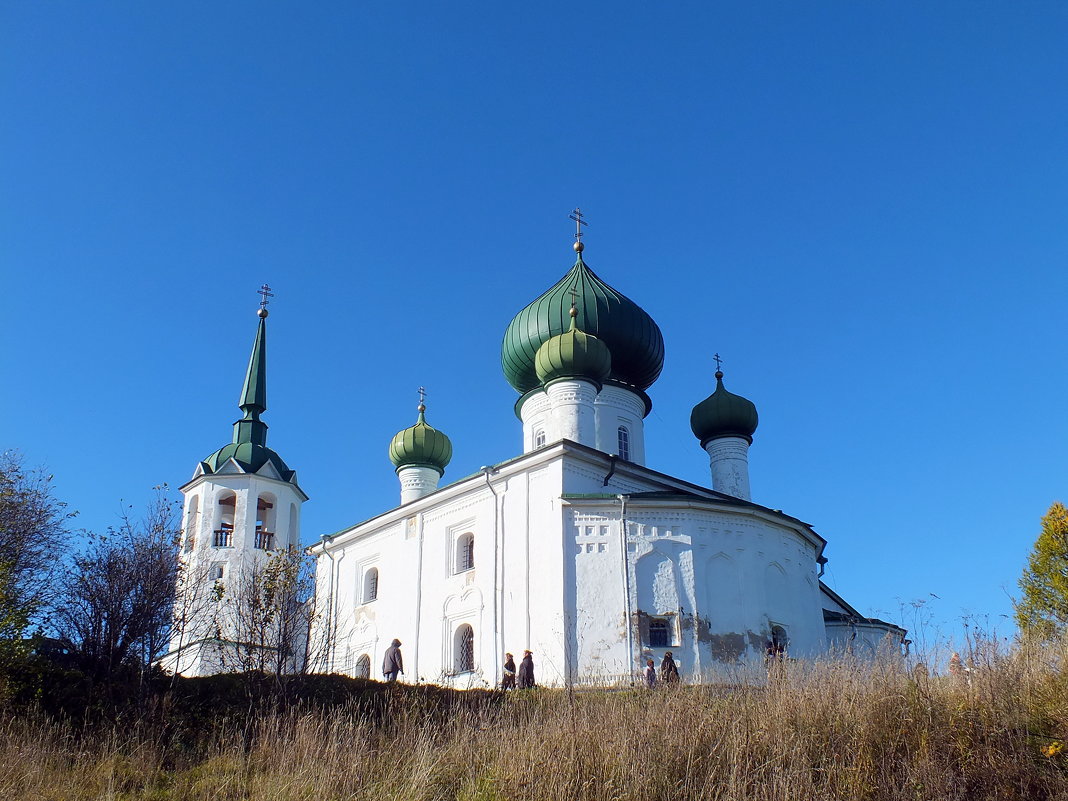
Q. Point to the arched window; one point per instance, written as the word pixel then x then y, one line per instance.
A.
pixel 265 523
pixel 659 633
pixel 539 438
pixel 623 441
pixel 191 519
pixel 370 585
pixel 363 667
pixel 465 552
pixel 464 649
pixel 223 534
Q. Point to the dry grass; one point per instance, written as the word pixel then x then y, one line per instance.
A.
pixel 829 731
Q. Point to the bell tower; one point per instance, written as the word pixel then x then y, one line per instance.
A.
pixel 242 503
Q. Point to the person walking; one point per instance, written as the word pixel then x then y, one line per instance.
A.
pixel 525 675
pixel 669 671
pixel 393 663
pixel 650 674
pixel 508 679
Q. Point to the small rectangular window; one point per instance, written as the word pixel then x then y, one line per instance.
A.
pixel 659 633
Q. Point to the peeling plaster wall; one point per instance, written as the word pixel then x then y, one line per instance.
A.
pixel 720 578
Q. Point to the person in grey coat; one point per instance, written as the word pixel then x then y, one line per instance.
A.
pixel 393 663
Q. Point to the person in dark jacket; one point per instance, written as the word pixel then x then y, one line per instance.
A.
pixel 508 679
pixel 669 671
pixel 393 663
pixel 526 671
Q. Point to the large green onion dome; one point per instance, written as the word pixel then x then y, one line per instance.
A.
pixel 723 414
pixel 631 335
pixel 421 446
pixel 573 354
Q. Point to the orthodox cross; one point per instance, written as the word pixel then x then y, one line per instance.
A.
pixel 576 215
pixel 718 361
pixel 265 292
pixel 422 395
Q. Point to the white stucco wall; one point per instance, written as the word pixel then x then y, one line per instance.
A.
pixel 561 577
pixel 728 459
pixel 422 599
pixel 613 407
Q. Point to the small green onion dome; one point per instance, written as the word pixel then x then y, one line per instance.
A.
pixel 723 414
pixel 631 335
pixel 421 446
pixel 573 354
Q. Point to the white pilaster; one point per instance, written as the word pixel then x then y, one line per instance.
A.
pixel 729 459
pixel 417 481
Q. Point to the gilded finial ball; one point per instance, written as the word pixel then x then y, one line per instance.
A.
pixel 579 247
pixel 574 311
pixel 719 374
pixel 421 407
pixel 262 313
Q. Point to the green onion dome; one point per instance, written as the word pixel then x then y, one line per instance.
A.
pixel 630 334
pixel 723 414
pixel 421 446
pixel 573 354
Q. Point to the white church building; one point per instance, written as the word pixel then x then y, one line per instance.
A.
pixel 575 549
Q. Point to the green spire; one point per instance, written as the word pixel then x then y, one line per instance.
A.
pixel 249 447
pixel 254 392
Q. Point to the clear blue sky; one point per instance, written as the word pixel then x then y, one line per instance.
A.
pixel 861 206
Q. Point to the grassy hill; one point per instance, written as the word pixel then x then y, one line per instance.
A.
pixel 834 730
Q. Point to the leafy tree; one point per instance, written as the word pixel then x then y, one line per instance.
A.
pixel 33 537
pixel 1043 610
pixel 267 613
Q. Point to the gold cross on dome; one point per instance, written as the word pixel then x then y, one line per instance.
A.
pixel 718 361
pixel 576 215
pixel 265 292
